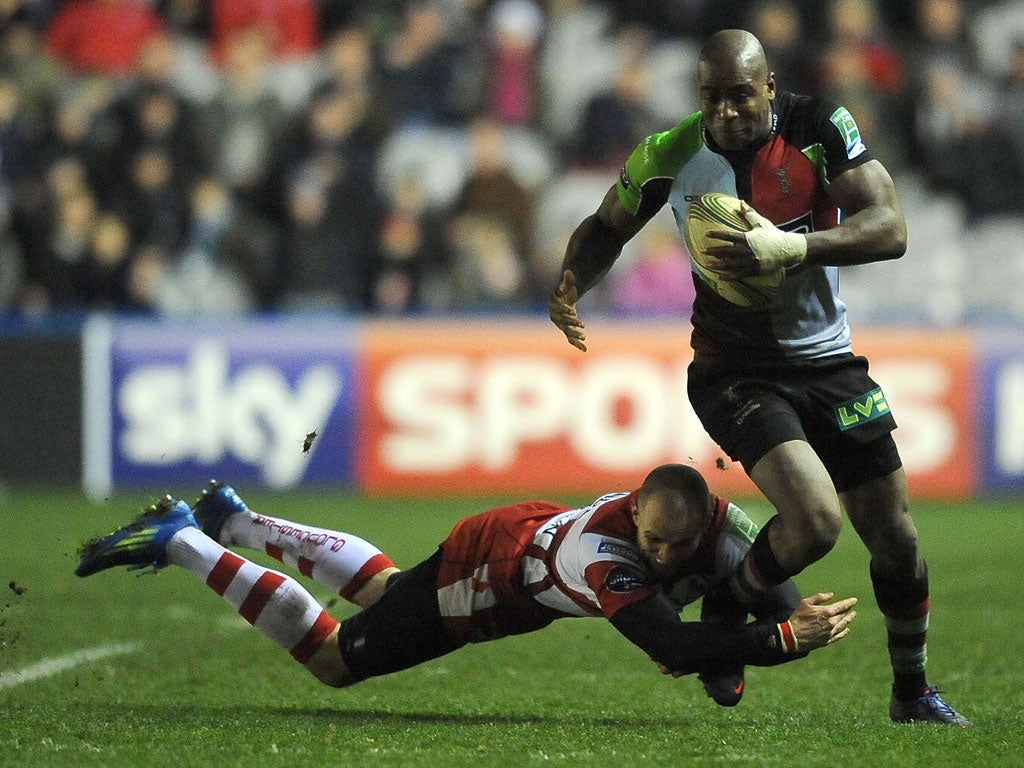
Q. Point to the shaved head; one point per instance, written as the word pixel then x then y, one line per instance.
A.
pixel 732 48
pixel 736 89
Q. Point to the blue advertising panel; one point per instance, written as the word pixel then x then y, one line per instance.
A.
pixel 175 403
pixel 1001 413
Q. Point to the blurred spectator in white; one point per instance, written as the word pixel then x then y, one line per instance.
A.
pixel 102 36
pixel 574 64
pixel 997 28
pixel 235 247
pixel 244 117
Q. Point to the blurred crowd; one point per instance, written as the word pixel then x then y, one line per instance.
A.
pixel 406 156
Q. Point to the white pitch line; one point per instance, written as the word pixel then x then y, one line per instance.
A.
pixel 57 664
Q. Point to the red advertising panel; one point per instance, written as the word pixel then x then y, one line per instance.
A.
pixel 930 383
pixel 507 406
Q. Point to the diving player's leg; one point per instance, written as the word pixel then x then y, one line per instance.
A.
pixel 347 564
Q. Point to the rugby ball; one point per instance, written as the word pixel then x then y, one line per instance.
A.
pixel 716 211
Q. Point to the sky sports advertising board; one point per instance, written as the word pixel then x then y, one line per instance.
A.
pixel 498 405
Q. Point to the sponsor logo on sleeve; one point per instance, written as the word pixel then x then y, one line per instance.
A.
pixel 843 120
pixel 618 549
pixel 625 578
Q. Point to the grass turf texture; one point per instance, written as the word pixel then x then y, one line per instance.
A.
pixel 204 689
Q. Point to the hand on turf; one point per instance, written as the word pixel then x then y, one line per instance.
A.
pixel 816 622
pixel 562 311
pixel 762 250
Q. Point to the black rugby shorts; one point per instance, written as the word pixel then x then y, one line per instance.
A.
pixel 402 629
pixel 831 403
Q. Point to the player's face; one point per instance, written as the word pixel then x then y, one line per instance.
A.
pixel 736 103
pixel 668 534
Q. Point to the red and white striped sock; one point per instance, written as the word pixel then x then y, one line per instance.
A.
pixel 340 561
pixel 276 604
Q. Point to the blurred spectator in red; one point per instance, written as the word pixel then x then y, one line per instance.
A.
pixel 290 25
pixel 102 36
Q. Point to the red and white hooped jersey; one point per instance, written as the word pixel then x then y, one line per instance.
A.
pixel 517 568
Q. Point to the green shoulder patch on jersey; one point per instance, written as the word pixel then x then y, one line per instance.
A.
pixel 659 156
pixel 738 525
pixel 816 154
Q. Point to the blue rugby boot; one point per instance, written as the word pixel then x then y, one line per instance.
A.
pixel 929 708
pixel 141 543
pixel 215 505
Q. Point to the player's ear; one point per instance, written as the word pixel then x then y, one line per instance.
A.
pixel 770 85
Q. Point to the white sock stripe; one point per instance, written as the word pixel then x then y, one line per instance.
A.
pixel 907 626
pixel 193 550
pixel 288 615
pixel 243 582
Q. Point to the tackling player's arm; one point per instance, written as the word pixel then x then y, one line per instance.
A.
pixel 686 647
pixel 592 249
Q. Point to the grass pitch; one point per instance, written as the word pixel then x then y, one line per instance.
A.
pixel 177 679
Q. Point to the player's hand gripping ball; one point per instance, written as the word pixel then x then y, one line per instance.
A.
pixel 716 212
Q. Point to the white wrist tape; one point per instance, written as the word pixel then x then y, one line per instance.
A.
pixel 774 248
